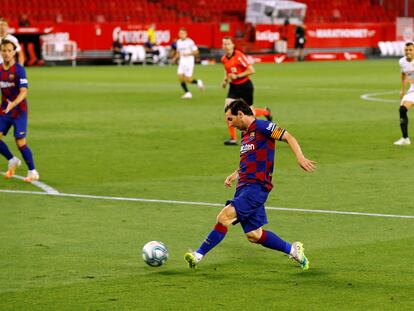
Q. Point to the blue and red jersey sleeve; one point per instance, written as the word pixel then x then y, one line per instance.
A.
pixel 270 129
pixel 21 77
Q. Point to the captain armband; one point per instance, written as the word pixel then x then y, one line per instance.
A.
pixel 277 133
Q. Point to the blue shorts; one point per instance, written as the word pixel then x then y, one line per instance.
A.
pixel 19 124
pixel 249 204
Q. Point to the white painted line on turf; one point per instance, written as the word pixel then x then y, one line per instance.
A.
pixel 43 186
pixel 84 196
pixel 372 97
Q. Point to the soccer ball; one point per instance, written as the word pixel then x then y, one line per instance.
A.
pixel 155 253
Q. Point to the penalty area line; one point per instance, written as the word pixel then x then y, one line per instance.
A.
pixel 372 97
pixel 84 196
pixel 48 189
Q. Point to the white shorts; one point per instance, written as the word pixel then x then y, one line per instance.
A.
pixel 409 97
pixel 186 69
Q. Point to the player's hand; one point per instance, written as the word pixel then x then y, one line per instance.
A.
pixel 9 107
pixel 224 84
pixel 306 164
pixel 229 180
pixel 232 77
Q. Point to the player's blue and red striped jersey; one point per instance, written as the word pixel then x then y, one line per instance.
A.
pixel 11 80
pixel 257 153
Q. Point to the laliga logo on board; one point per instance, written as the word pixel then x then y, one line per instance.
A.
pixel 267 35
pixel 139 36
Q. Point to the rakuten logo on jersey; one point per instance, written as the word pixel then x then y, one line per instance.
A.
pixel 4 84
pixel 247 147
pixel 267 35
pixel 341 33
pixel 139 36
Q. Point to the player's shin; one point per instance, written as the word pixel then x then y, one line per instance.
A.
pixel 404 121
pixel 184 86
pixel 271 240
pixel 27 156
pixel 4 150
pixel 232 131
pixel 214 238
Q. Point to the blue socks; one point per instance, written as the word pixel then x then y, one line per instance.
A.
pixel 25 151
pixel 27 156
pixel 268 239
pixel 4 150
pixel 271 240
pixel 214 238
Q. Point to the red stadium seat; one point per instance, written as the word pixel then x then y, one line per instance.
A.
pixel 202 10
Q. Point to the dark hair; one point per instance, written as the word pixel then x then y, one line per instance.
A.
pixel 239 105
pixel 409 44
pixel 228 38
pixel 4 42
pixel 183 29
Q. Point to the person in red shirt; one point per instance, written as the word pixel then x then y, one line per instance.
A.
pixel 237 70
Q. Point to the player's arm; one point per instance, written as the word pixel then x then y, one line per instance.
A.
pixel 229 179
pixel 403 82
pixel 176 56
pixel 225 80
pixel 20 97
pixel 194 51
pixel 248 72
pixel 271 130
pixel 20 57
pixel 306 164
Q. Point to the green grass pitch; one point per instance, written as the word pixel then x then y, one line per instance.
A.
pixel 125 132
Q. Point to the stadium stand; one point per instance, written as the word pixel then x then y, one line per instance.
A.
pixel 81 19
pixel 183 11
pixel 143 11
pixel 343 11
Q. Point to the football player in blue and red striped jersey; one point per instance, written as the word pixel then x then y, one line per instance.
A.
pixel 13 110
pixel 254 184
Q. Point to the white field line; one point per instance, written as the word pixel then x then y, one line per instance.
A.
pixel 372 97
pixel 43 186
pixel 84 196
